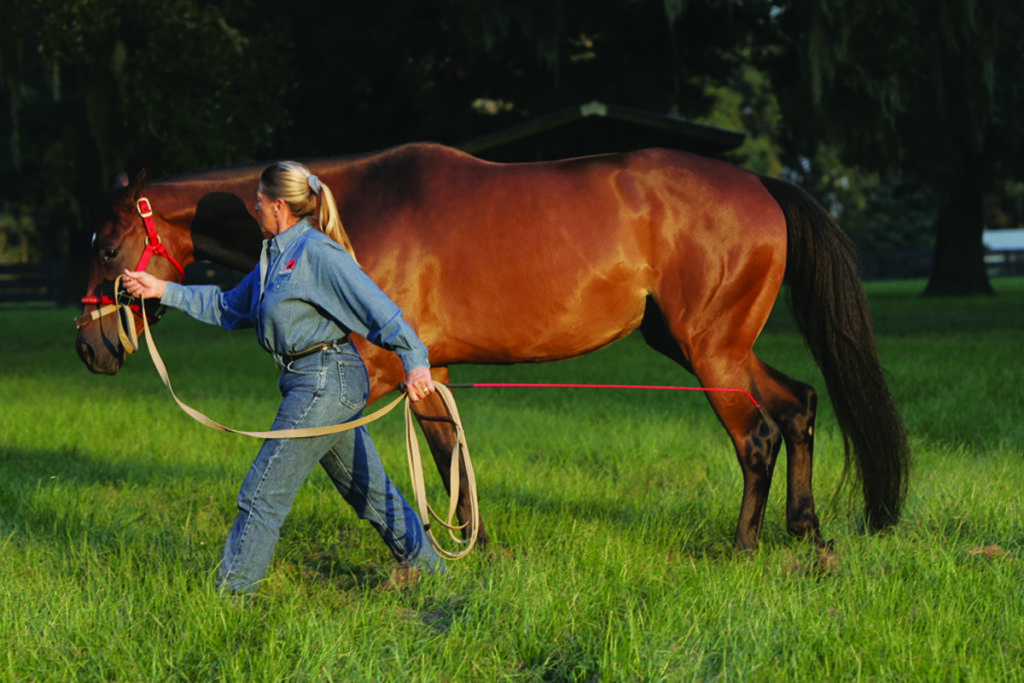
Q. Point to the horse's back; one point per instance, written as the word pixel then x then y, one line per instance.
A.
pixel 630 203
pixel 564 253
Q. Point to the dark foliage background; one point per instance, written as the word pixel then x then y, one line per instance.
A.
pixel 903 119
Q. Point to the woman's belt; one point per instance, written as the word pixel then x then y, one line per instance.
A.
pixel 315 348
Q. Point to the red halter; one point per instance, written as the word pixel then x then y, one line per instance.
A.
pixel 153 243
pixel 153 246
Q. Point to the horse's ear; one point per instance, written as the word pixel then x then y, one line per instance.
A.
pixel 121 179
pixel 135 189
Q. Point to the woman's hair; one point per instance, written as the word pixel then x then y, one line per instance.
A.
pixel 304 194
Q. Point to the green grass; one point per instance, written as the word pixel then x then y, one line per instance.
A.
pixel 611 516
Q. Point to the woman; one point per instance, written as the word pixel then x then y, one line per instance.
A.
pixel 305 297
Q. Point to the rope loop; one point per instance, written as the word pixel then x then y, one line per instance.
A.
pixel 459 459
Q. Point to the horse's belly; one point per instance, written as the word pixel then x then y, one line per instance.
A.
pixel 539 325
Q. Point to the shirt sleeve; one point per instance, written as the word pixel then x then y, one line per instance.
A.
pixel 352 298
pixel 231 310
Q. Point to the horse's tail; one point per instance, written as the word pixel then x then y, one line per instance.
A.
pixel 831 311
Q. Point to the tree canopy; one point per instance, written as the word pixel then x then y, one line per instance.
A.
pixel 929 89
pixel 920 97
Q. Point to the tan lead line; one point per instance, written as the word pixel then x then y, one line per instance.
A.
pixel 460 451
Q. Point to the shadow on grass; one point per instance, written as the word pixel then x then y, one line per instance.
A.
pixel 85 508
pixel 73 499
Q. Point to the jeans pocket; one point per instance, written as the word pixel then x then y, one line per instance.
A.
pixel 355 384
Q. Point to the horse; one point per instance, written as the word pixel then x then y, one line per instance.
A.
pixel 532 262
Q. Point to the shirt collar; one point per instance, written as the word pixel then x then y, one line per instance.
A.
pixel 284 238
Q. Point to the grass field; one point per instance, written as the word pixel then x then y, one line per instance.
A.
pixel 611 516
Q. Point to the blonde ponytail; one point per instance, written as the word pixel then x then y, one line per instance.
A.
pixel 330 221
pixel 306 195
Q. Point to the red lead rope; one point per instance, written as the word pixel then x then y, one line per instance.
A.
pixel 553 385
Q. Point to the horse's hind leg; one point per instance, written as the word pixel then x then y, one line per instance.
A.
pixel 440 434
pixel 757 440
pixel 792 405
pixel 755 436
pixel 787 415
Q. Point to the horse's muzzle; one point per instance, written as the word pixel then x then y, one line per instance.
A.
pixel 105 363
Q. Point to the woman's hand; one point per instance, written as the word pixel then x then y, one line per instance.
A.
pixel 141 283
pixel 419 384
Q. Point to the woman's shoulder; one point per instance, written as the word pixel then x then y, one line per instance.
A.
pixel 318 246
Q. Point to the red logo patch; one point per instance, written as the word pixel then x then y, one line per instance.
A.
pixel 290 267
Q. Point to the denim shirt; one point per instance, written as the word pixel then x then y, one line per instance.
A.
pixel 315 292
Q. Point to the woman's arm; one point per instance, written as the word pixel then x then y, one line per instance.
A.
pixel 207 303
pixel 353 299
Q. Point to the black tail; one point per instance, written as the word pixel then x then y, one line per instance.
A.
pixel 831 311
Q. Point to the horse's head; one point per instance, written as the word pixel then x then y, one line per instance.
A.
pixel 132 234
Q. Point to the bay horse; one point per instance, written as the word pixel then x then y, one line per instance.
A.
pixel 532 262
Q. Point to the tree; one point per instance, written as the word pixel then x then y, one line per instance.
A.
pixel 385 81
pixel 926 87
pixel 93 87
pixel 921 91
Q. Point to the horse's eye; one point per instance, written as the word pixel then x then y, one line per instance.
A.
pixel 109 254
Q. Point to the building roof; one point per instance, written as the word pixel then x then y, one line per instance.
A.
pixel 597 127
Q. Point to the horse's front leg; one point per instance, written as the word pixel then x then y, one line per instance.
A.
pixel 439 431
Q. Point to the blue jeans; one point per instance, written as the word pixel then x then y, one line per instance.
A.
pixel 324 388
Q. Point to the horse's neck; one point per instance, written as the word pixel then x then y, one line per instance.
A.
pixel 214 217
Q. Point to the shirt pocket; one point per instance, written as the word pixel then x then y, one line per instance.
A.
pixel 281 280
pixel 354 383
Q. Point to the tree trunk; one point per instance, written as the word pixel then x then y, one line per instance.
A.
pixel 958 268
